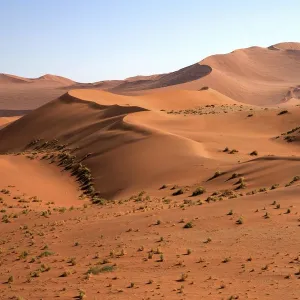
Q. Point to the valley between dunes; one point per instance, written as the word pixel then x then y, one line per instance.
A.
pixel 182 185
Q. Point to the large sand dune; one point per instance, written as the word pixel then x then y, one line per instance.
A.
pixel 131 133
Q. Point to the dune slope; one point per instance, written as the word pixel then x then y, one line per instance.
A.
pixel 122 133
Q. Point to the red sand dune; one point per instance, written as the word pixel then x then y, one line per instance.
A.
pixel 122 131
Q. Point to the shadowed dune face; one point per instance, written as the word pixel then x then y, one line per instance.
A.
pixel 187 74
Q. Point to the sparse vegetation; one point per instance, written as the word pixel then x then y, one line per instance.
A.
pixel 283 112
pixel 98 269
pixel 188 225
pixel 178 192
pixel 240 221
pixel 198 191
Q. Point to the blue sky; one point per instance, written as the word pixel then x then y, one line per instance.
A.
pixel 94 40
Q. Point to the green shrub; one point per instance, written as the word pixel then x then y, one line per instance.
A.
pixel 178 192
pixel 97 269
pixel 198 191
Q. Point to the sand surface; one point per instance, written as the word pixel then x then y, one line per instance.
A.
pixel 159 153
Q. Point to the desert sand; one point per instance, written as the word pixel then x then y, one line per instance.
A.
pixel 182 185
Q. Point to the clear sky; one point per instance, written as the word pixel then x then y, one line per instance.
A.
pixel 92 40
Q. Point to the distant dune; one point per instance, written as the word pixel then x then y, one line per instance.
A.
pixel 7 78
pixel 287 46
pixel 256 76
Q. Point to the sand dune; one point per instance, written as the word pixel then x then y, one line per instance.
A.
pixel 55 78
pixel 165 99
pixel 7 78
pixel 121 132
pixel 255 75
pixel 287 46
pixel 116 145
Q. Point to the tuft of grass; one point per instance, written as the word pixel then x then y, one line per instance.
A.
pixel 23 255
pixel 178 192
pixel 98 201
pixel 199 191
pixel 188 225
pixel 183 277
pixel 254 153
pixel 283 112
pixel 226 260
pixel 97 269
pixel 217 174
pixel 65 274
pixel 233 151
pixel 240 221
pixel 241 186
pixel 234 175
pixel 81 295
pixel 274 186
pixel 230 213
pixel 208 240
pixel 10 279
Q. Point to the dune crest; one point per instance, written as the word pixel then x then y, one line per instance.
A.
pixel 116 145
pixel 287 46
pixel 7 78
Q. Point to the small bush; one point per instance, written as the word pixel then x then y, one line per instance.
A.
pixel 10 279
pixel 163 187
pixel 198 191
pixel 240 221
pixel 233 151
pixel 274 186
pixel 282 112
pixel 183 277
pixel 178 192
pixel 188 225
pixel 97 269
